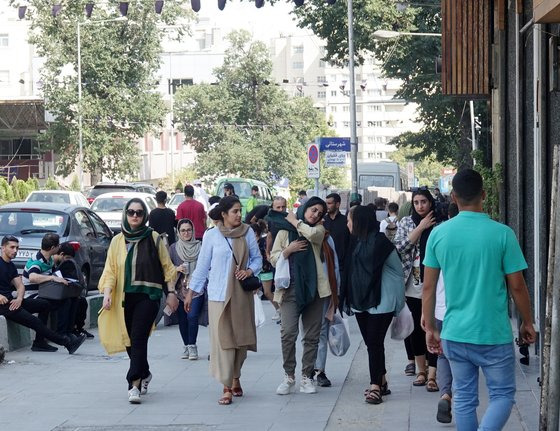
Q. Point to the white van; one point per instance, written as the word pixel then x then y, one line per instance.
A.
pixel 382 174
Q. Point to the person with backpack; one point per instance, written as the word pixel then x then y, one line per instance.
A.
pixel 388 226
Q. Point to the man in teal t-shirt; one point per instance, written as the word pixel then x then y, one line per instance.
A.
pixel 478 256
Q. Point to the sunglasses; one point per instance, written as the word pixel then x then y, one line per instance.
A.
pixel 416 189
pixel 132 213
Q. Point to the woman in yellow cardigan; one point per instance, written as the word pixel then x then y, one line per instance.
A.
pixel 136 269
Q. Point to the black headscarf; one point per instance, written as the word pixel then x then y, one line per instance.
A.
pixel 370 252
pixel 417 218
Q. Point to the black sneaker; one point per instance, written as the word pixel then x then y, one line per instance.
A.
pixel 88 335
pixel 444 411
pixel 42 346
pixel 322 380
pixel 74 343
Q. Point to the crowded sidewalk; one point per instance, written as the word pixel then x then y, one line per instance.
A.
pixel 86 391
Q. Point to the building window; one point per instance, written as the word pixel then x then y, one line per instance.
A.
pixel 375 123
pixel 374 108
pixel 321 94
pixel 333 93
pixel 358 124
pixel 333 108
pixel 174 84
pixel 4 78
pixel 297 65
pixel 374 92
pixel 323 110
pixel 298 49
pixel 346 124
pixel 321 79
pixel 335 124
pixel 358 108
pixel 346 108
pixel 4 40
pixel 322 64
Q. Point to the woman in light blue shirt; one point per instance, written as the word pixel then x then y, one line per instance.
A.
pixel 230 308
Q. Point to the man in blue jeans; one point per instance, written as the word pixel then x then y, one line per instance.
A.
pixel 478 257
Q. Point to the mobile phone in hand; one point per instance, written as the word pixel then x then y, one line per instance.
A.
pixel 167 311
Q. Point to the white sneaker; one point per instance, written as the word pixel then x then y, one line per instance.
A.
pixel 144 385
pixel 185 354
pixel 307 385
pixel 276 315
pixel 134 395
pixel 193 352
pixel 286 386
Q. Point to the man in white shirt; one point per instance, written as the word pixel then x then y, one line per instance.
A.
pixel 393 209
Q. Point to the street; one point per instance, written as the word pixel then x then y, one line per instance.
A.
pixel 87 391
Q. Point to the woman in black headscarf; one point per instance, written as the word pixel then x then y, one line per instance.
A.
pixel 374 291
pixel 301 240
pixel 136 271
pixel 411 239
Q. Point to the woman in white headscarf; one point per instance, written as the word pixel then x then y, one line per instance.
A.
pixel 184 254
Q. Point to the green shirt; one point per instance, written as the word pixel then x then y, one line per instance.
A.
pixel 475 253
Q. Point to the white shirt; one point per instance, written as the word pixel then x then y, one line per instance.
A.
pixel 440 299
pixel 383 225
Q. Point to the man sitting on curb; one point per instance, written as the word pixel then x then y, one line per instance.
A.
pixel 20 310
pixel 38 271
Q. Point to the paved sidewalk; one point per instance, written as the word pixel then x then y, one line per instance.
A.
pixel 87 391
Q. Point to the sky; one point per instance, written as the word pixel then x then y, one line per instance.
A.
pixel 265 23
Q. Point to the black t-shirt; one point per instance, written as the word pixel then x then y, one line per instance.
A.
pixel 340 234
pixel 259 212
pixel 8 272
pixel 162 220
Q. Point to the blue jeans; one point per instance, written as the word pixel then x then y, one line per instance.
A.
pixel 498 365
pixel 321 361
pixel 188 322
pixel 444 376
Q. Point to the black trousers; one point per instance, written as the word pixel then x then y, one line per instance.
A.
pixel 139 314
pixel 81 312
pixel 415 343
pixel 24 316
pixel 374 328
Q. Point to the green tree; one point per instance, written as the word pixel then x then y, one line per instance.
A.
pixel 119 61
pixel 33 183
pixel 75 184
pixel 445 131
pixel 244 125
pixel 51 184
pixel 426 169
pixel 6 190
pixel 15 190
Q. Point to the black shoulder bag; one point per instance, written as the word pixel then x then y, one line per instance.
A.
pixel 250 283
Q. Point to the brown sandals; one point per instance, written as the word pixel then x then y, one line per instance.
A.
pixel 420 379
pixel 226 400
pixel 432 385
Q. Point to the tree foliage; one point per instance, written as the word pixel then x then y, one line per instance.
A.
pixel 426 169
pixel 445 120
pixel 119 60
pixel 244 124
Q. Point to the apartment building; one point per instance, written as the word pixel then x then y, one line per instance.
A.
pixel 298 65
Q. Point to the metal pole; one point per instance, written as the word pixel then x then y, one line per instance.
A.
pixel 80 144
pixel 473 132
pixel 171 143
pixel 353 133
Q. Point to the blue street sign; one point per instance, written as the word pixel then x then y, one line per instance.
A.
pixel 334 144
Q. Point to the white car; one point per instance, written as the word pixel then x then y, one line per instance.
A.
pixel 109 206
pixel 175 201
pixel 58 197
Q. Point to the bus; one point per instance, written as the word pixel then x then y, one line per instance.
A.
pixel 382 174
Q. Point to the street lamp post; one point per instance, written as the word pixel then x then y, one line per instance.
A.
pixel 80 119
pixel 353 130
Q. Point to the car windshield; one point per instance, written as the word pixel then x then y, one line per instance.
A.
pixel 176 199
pixel 376 181
pixel 17 222
pixel 242 189
pixel 96 191
pixel 57 198
pixel 109 205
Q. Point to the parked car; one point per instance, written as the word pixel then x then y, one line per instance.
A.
pixel 101 188
pixel 243 187
pixel 58 197
pixel 175 201
pixel 80 226
pixel 109 206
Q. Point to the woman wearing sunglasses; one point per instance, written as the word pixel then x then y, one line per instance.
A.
pixel 136 269
pixel 184 255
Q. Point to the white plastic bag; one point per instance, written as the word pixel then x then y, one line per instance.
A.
pixel 402 325
pixel 339 335
pixel 260 318
pixel 282 274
